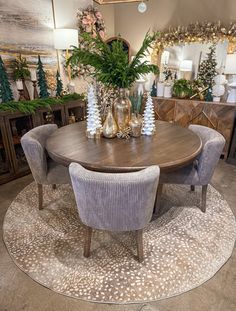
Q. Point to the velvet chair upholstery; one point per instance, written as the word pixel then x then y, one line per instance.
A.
pixel 200 172
pixel 44 170
pixel 115 202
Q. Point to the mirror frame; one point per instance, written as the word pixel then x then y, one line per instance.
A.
pixel 205 32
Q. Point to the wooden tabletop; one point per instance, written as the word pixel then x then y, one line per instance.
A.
pixel 171 147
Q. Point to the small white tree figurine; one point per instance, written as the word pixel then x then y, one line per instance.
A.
pixel 149 118
pixel 94 123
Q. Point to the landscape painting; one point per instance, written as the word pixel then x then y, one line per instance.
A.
pixel 26 28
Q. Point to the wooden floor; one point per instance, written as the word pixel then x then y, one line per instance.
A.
pixel 20 293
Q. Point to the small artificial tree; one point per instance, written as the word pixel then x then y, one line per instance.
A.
pixel 5 88
pixel 59 87
pixel 94 123
pixel 154 89
pixel 149 118
pixel 42 82
pixel 207 69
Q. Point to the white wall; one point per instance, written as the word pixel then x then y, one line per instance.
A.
pixel 65 12
pixel 108 12
pixel 65 15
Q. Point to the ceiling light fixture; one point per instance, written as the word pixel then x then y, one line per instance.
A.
pixel 142 7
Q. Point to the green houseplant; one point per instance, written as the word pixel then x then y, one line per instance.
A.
pixel 110 65
pixel 21 72
pixel 182 88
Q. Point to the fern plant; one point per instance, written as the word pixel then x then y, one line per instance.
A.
pixel 110 64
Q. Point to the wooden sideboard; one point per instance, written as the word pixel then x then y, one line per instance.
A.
pixel 219 116
pixel 13 125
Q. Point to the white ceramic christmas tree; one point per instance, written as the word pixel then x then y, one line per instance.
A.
pixel 94 123
pixel 149 118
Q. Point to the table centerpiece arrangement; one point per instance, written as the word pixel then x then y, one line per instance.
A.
pixel 110 66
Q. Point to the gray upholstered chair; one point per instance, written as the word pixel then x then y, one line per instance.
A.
pixel 115 202
pixel 44 170
pixel 201 171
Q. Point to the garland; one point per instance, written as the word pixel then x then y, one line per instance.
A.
pixel 30 106
pixel 204 32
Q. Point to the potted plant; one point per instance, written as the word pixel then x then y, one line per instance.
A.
pixel 182 88
pixel 110 65
pixel 21 72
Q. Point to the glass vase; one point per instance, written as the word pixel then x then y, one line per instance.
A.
pixel 122 110
pixel 135 124
pixel 110 127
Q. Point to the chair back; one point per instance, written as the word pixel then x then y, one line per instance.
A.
pixel 33 144
pixel 116 202
pixel 213 145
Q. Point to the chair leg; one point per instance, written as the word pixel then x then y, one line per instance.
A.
pixel 139 239
pixel 54 187
pixel 192 188
pixel 158 199
pixel 204 194
pixel 40 196
pixel 87 242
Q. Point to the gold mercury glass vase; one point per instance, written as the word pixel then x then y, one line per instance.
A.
pixel 122 110
pixel 135 124
pixel 110 127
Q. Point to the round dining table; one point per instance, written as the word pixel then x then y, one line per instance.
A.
pixel 171 147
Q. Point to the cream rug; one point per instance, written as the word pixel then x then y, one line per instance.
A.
pixel 183 248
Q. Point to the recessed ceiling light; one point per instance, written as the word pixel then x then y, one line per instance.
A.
pixel 142 7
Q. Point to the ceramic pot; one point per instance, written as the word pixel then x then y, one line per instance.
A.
pixel 160 89
pixel 122 110
pixel 110 127
pixel 167 91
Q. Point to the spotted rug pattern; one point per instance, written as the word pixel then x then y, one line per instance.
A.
pixel 183 247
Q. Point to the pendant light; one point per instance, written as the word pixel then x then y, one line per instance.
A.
pixel 142 7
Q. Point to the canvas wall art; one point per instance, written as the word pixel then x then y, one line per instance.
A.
pixel 26 27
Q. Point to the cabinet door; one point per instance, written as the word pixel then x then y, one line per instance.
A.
pixel 75 111
pixel 6 167
pixel 17 125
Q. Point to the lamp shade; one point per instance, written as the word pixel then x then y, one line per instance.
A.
pixel 186 65
pixel 65 38
pixel 230 64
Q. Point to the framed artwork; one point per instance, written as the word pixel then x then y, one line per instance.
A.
pixel 26 28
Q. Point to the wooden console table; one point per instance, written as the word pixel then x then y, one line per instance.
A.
pixel 219 116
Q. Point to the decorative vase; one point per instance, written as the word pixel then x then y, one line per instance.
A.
pixel 160 89
pixel 167 91
pixel 110 127
pixel 122 110
pixel 135 124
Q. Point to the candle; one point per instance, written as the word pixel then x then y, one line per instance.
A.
pixel 19 85
pixel 33 75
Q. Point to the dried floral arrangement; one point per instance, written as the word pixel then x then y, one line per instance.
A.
pixel 90 20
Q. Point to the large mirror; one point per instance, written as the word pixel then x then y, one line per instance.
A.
pixel 180 51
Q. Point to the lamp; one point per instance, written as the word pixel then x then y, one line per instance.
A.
pixel 142 7
pixel 64 39
pixel 186 67
pixel 230 69
pixel 165 57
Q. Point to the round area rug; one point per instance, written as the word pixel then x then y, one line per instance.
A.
pixel 183 247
